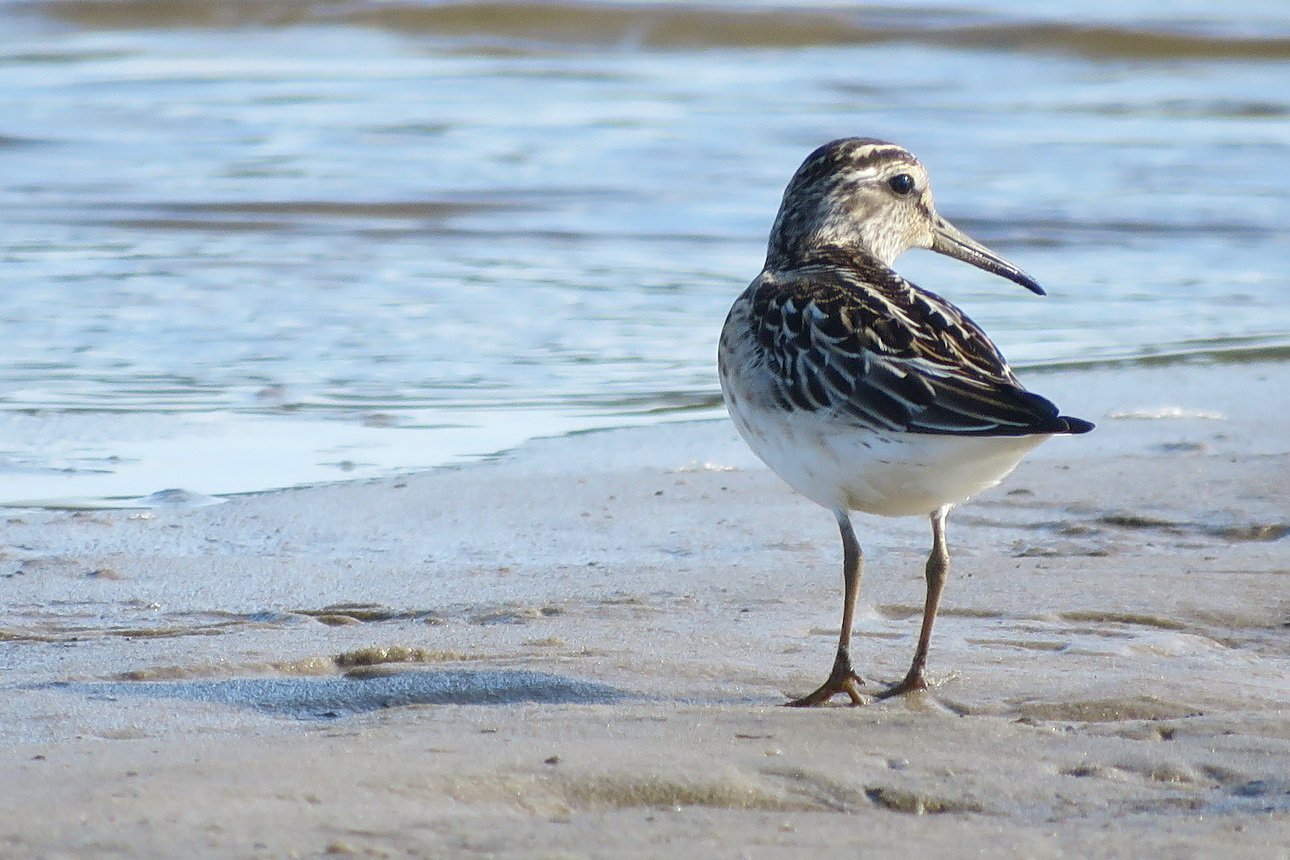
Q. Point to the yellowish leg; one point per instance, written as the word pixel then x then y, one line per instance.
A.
pixel 938 568
pixel 843 678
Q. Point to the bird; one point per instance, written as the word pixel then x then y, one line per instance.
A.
pixel 862 391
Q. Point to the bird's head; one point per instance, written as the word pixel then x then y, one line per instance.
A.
pixel 874 197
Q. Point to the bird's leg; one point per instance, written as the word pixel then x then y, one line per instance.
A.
pixel 843 678
pixel 938 567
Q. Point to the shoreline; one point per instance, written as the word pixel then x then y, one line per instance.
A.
pixel 581 647
pixel 149 461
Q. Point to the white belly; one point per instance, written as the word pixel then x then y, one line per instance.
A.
pixel 891 474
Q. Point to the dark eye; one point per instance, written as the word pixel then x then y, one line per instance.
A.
pixel 901 183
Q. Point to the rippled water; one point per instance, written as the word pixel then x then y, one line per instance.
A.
pixel 254 244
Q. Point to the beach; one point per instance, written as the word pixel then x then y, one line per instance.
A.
pixel 366 486
pixel 581 648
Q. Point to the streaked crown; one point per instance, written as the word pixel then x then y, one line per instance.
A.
pixel 857 194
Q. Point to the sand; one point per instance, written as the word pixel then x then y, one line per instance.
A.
pixel 580 649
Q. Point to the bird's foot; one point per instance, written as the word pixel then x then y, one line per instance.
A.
pixel 842 679
pixel 913 682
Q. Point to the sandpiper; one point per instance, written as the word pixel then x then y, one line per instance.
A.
pixel 863 391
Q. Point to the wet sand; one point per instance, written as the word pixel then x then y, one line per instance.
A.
pixel 581 648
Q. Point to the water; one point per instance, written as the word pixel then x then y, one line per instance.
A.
pixel 251 245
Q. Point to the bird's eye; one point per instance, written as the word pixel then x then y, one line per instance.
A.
pixel 901 183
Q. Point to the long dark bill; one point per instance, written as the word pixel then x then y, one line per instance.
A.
pixel 953 242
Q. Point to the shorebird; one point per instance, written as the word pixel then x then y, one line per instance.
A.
pixel 863 391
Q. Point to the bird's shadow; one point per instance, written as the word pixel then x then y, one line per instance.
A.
pixel 327 698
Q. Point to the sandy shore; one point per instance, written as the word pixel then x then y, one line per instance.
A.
pixel 581 648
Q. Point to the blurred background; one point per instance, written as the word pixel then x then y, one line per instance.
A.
pixel 250 245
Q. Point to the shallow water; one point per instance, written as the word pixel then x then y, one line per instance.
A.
pixel 252 245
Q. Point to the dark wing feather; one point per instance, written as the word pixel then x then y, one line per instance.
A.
pixel 870 348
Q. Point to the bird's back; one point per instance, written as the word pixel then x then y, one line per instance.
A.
pixel 850 341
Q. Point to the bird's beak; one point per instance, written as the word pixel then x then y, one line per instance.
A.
pixel 953 242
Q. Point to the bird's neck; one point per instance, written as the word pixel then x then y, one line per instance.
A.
pixel 782 257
